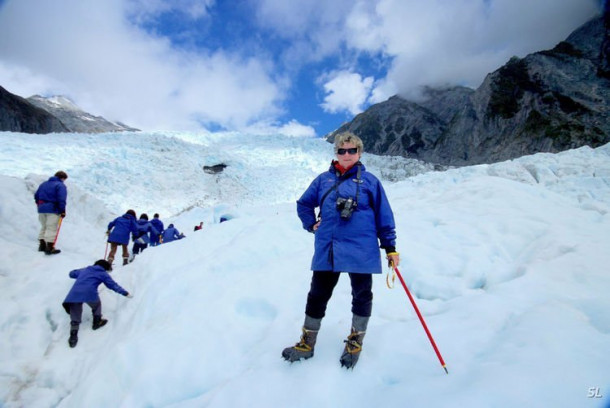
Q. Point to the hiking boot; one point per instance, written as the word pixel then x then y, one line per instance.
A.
pixel 353 344
pixel 73 338
pixel 125 261
pixel 303 349
pixel 50 249
pixel 42 246
pixel 353 347
pixel 98 322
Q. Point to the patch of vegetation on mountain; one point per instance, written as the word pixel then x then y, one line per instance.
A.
pixel 563 48
pixel 508 87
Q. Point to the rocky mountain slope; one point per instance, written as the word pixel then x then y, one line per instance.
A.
pixel 50 115
pixel 18 115
pixel 549 101
pixel 74 118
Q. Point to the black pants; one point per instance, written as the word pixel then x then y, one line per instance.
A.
pixel 322 285
pixel 137 248
pixel 76 311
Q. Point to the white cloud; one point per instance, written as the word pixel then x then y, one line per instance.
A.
pixel 314 29
pixel 438 42
pixel 96 53
pixel 345 91
pixel 291 128
pixel 296 129
pixel 112 68
pixel 428 42
pixel 145 10
pixel 22 81
pixel 382 91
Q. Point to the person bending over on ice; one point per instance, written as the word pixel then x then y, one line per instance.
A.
pixel 84 290
pixel 118 234
pixel 171 234
pixel 51 199
pixel 355 217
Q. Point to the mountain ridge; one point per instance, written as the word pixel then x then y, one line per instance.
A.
pixel 19 115
pixel 55 114
pixel 75 118
pixel 548 101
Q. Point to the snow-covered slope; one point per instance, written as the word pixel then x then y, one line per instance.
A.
pixel 508 263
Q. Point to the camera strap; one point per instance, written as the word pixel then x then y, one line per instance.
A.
pixel 337 185
pixel 358 181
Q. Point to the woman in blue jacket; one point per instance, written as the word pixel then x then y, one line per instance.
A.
pixel 355 219
pixel 118 234
pixel 84 290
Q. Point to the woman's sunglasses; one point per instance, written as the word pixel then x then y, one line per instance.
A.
pixel 351 150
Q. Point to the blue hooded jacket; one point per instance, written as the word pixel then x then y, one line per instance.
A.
pixel 51 196
pixel 144 227
pixel 87 281
pixel 158 224
pixel 120 228
pixel 171 234
pixel 350 245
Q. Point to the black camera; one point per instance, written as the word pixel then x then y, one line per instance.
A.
pixel 346 206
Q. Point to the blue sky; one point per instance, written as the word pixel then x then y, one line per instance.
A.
pixel 263 66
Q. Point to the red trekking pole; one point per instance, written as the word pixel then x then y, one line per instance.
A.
pixel 58 228
pixel 421 318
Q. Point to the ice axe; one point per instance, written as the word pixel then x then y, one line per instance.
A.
pixel 58 228
pixel 421 318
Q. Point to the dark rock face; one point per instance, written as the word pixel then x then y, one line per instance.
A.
pixel 215 169
pixel 18 115
pixel 549 101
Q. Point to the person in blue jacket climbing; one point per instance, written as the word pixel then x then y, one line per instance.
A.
pixel 84 290
pixel 118 234
pixel 141 238
pixel 355 220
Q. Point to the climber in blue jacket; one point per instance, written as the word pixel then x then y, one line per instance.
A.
pixel 50 198
pixel 118 234
pixel 84 290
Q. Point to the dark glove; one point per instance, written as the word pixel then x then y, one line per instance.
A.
pixel 62 215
